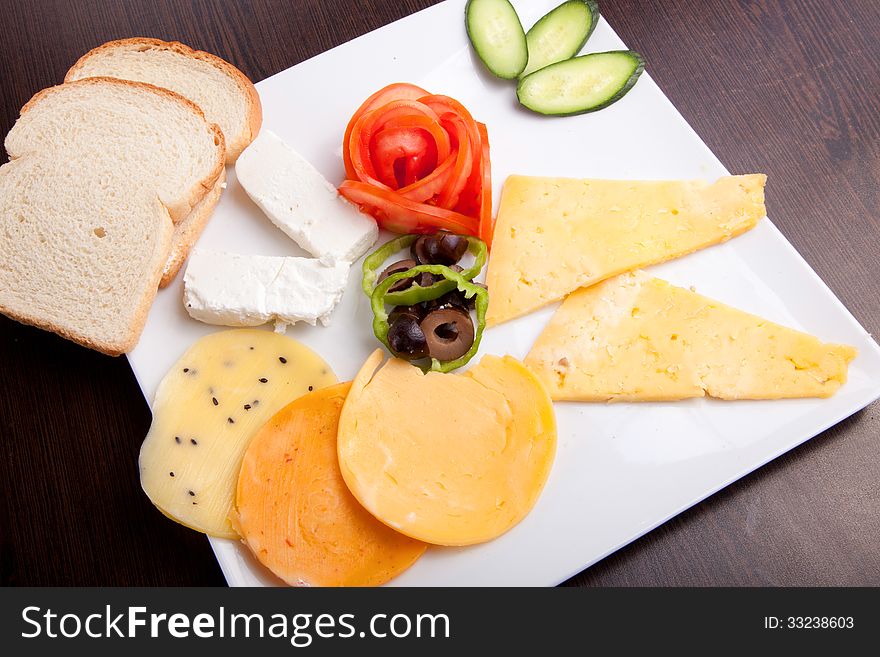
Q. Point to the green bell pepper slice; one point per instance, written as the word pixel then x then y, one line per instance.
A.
pixel 416 294
pixel 379 299
pixel 373 263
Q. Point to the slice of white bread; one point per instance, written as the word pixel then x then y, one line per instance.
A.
pixel 187 232
pixel 99 172
pixel 225 94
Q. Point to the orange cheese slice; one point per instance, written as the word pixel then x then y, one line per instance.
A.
pixel 638 338
pixel 295 512
pixel 447 459
pixel 555 235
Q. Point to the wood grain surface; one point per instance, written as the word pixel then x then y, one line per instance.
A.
pixel 788 88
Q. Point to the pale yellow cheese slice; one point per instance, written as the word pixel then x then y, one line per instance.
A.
pixel 638 338
pixel 207 408
pixel 554 235
pixel 449 459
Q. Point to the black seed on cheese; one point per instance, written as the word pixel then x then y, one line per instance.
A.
pixel 264 380
pixel 193 441
pixel 247 407
pixel 185 370
pixel 171 473
pixel 283 360
pixel 251 348
pixel 191 494
pixel 311 388
pixel 214 399
pixel 177 439
pixel 230 420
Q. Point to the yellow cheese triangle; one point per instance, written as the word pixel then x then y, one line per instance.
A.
pixel 638 338
pixel 554 235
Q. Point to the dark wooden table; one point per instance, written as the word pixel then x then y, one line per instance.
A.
pixel 788 88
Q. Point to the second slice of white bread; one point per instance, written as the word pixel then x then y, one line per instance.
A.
pixel 187 232
pixel 225 94
pixel 99 172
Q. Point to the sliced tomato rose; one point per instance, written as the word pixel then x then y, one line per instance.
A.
pixel 419 162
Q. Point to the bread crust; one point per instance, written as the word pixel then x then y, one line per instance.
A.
pixel 136 325
pixel 187 232
pixel 235 143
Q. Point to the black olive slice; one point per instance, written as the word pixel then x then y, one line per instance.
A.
pixel 449 333
pixel 423 249
pixel 451 248
pixel 396 268
pixel 439 249
pixel 416 312
pixel 427 279
pixel 454 299
pixel 406 339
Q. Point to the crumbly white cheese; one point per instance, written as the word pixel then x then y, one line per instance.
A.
pixel 249 290
pixel 301 202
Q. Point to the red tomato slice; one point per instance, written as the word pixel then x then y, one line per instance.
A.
pixel 400 215
pixel 470 197
pixel 487 225
pixel 396 91
pixel 430 186
pixel 444 104
pixel 369 124
pixel 442 186
pixel 409 146
pixel 429 125
pixel 464 162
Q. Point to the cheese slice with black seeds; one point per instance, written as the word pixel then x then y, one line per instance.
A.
pixel 207 408
pixel 638 338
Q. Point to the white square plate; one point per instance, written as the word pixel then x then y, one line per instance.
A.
pixel 621 469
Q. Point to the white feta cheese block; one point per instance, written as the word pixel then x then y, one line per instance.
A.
pixel 302 203
pixel 248 290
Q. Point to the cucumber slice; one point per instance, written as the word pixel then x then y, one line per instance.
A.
pixel 583 84
pixel 497 35
pixel 560 34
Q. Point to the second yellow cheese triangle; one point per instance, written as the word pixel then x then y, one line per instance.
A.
pixel 638 338
pixel 555 235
